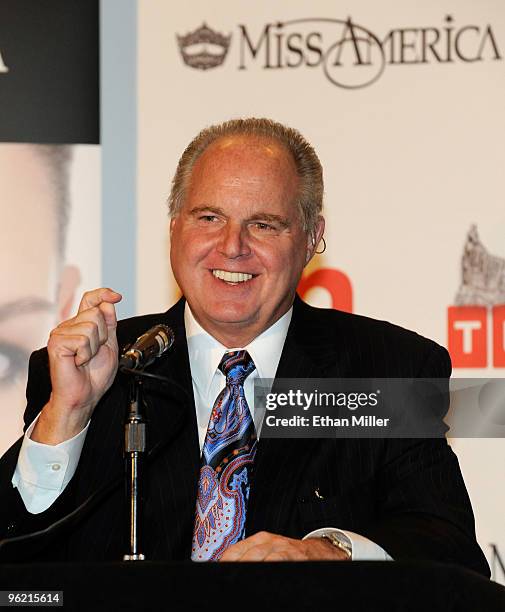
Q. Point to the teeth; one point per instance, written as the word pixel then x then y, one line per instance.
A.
pixel 232 277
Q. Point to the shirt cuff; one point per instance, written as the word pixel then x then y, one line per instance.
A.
pixel 43 471
pixel 362 549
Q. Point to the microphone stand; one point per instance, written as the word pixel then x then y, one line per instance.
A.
pixel 20 548
pixel 135 452
pixel 146 349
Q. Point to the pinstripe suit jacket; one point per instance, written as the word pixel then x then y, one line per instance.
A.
pixel 406 495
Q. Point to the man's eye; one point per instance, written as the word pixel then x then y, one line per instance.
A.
pixel 208 218
pixel 13 363
pixel 264 226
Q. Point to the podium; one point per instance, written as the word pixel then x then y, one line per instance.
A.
pixel 356 586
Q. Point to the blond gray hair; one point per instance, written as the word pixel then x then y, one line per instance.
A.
pixel 308 166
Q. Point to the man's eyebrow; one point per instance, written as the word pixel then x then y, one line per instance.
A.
pixel 269 218
pixel 259 216
pixel 25 306
pixel 212 209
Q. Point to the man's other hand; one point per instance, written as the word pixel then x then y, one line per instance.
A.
pixel 264 546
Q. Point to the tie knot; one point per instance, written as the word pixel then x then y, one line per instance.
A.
pixel 236 366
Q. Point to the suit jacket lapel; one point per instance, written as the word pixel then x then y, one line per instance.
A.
pixel 172 402
pixel 173 428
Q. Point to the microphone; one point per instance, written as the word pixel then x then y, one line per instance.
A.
pixel 147 348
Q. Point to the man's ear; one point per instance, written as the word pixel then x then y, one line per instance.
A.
pixel 314 238
pixel 172 223
pixel 69 281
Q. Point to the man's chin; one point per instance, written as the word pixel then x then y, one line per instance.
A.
pixel 227 316
pixel 233 318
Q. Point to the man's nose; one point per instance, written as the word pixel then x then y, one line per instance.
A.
pixel 233 241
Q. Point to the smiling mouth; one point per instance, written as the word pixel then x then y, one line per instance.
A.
pixel 233 278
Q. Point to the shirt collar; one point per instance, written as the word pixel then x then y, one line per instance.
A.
pixel 205 352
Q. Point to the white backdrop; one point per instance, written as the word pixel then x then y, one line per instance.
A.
pixel 411 160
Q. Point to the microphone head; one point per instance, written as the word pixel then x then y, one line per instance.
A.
pixel 147 348
pixel 165 337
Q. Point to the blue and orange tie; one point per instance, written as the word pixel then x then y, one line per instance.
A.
pixel 227 463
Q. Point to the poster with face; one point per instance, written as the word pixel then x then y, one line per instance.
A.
pixel 47 192
pixel 49 182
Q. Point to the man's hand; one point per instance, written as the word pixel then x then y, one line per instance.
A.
pixel 83 359
pixel 264 546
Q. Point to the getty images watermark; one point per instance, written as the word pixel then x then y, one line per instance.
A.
pixel 379 408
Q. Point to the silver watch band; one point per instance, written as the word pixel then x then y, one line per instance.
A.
pixel 339 543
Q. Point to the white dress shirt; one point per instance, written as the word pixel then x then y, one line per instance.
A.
pixel 43 471
pixel 205 354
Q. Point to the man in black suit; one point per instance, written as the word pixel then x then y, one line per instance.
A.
pixel 245 206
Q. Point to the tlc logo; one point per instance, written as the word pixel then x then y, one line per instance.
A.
pixel 468 336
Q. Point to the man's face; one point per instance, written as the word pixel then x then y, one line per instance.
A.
pixel 237 245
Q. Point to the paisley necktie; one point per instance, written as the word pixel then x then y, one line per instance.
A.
pixel 227 462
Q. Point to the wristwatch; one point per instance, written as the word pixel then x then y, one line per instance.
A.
pixel 339 543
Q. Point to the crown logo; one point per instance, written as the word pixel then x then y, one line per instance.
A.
pixel 483 275
pixel 204 48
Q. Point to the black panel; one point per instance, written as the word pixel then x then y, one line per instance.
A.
pixel 51 92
